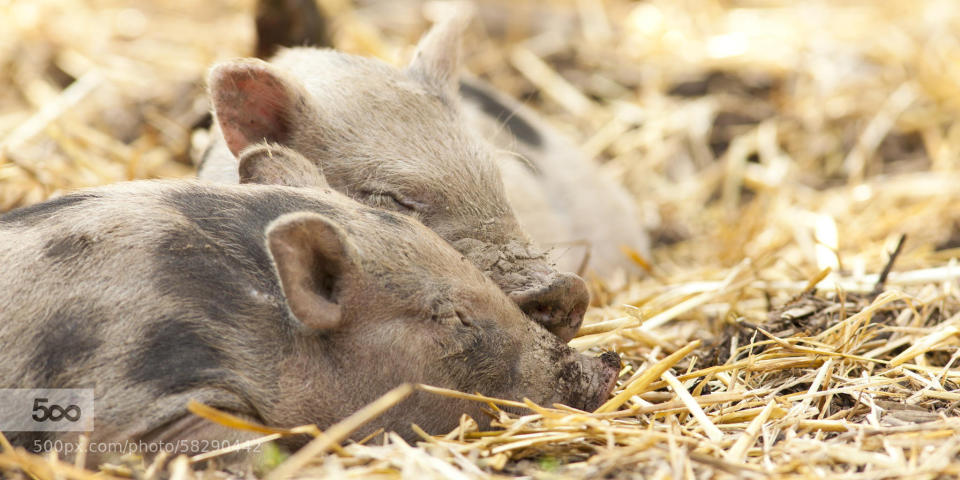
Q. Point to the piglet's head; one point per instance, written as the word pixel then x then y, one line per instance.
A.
pixel 378 300
pixel 394 139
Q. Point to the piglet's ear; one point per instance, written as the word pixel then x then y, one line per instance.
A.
pixel 254 102
pixel 437 60
pixel 314 258
pixel 270 164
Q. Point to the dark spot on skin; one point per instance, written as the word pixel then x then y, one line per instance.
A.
pixel 240 221
pixel 212 264
pixel 199 274
pixel 67 340
pixel 519 127
pixel 30 215
pixel 176 357
pixel 68 247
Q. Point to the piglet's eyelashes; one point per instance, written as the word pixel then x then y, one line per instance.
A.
pixel 393 200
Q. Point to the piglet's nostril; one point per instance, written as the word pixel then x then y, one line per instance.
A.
pixel 611 359
pixel 559 306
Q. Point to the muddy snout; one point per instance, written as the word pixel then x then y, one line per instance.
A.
pixel 588 381
pixel 611 365
pixel 558 306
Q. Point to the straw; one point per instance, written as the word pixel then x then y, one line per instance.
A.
pixel 778 153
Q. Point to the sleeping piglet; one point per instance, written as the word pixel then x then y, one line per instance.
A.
pixel 393 139
pixel 282 305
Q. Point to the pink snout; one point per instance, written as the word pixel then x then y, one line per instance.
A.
pixel 610 372
pixel 559 306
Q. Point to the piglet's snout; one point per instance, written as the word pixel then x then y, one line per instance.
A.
pixel 558 306
pixel 611 370
pixel 608 365
pixel 586 382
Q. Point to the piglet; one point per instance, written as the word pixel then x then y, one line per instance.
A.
pixel 396 140
pixel 282 305
pixel 560 197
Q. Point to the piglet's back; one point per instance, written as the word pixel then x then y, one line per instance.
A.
pixel 75 261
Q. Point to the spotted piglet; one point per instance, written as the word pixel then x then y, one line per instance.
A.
pixel 282 305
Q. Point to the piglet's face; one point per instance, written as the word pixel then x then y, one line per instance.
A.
pixel 382 300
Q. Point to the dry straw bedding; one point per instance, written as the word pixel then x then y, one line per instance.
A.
pixel 778 152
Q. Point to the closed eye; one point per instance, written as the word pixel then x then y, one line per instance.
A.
pixel 452 318
pixel 385 199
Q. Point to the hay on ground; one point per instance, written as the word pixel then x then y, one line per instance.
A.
pixel 778 150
